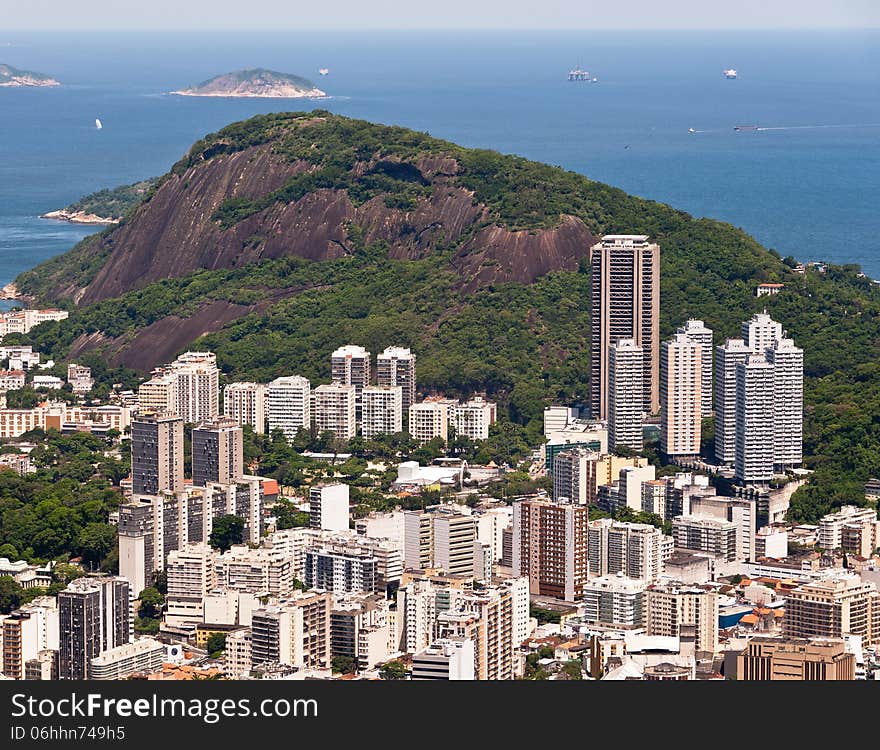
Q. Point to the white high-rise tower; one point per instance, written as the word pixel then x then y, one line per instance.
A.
pixel 727 356
pixel 788 396
pixel 626 402
pixel 697 331
pixel 681 378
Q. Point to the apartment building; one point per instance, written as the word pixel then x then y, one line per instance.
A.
pixel 833 608
pixel 294 632
pixel 637 550
pixel 156 453
pixel 334 408
pixel 217 452
pixel 144 655
pixel 396 366
pixel 428 420
pixel 245 402
pixel 727 357
pixel 289 405
pixel 613 601
pixel 626 402
pixel 697 331
pixel 671 606
pixel 329 507
pixel 472 419
pixel 681 398
pixel 382 410
pixel 445 659
pixel 350 366
pixel 766 658
pixel 191 574
pixel 717 537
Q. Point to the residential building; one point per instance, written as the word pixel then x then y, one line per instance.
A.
pixel 718 538
pixel 831 526
pixel 672 606
pixel 625 304
pixel 755 410
pixel 288 405
pixel 256 571
pixel 396 366
pixel 359 629
pixel 159 394
pixel 445 659
pixel 579 472
pixel 245 402
pixel 80 378
pixel 382 410
pixel 334 410
pixel 727 357
pixel 295 632
pixel 328 507
pixel 350 365
pixel 760 332
pixel 217 452
pixel 440 538
pixel 27 632
pixel 788 396
pixel 654 497
pixel 191 574
pixel 472 419
pixel 681 380
pixel 558 418
pixel 94 615
pixel 238 656
pixel 741 511
pixel 697 331
pixel 428 420
pixel 613 601
pixel 342 569
pixel 833 608
pixel 637 550
pixel 156 453
pixel 122 661
pixel 626 403
pixel 550 547
pixel 766 658
pixel 198 386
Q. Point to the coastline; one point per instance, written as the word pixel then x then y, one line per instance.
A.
pixel 312 94
pixel 79 217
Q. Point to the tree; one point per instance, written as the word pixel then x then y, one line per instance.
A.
pixel 393 670
pixel 94 542
pixel 344 665
pixel 228 530
pixel 573 670
pixel 9 552
pixel 216 644
pixel 151 600
pixel 10 594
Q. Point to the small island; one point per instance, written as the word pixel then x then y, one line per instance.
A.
pixel 256 82
pixel 106 206
pixel 13 77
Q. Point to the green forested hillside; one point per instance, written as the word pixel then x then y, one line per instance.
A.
pixel 525 344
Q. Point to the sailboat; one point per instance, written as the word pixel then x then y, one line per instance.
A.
pixel 323 71
pixel 98 124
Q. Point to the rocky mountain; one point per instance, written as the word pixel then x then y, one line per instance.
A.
pixel 255 82
pixel 14 77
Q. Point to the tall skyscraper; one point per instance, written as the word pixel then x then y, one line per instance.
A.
pixel 156 453
pixel 625 303
pixel 95 615
pixel 626 403
pixel 246 404
pixel 681 380
pixel 288 405
pixel 550 547
pixel 382 410
pixel 334 407
pixel 350 365
pixel 198 386
pixel 217 452
pixel 753 462
pixel 697 331
pixel 727 356
pixel 397 366
pixel 788 395
pixel 760 332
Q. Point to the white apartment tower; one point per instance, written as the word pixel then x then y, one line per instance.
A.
pixel 428 420
pixel 397 366
pixel 198 386
pixel 697 331
pixel 288 405
pixel 382 410
pixel 637 550
pixel 334 409
pixel 472 418
pixel 753 462
pixel 328 507
pixel 788 395
pixel 626 402
pixel 760 332
pixel 246 404
pixel 350 365
pixel 727 356
pixel 681 379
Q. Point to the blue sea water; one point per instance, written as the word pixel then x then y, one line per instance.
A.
pixel 808 186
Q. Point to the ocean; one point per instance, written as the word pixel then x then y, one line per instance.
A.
pixel 808 185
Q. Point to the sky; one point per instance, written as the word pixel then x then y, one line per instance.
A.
pixel 446 14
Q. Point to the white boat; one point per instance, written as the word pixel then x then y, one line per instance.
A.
pixel 98 124
pixel 691 130
pixel 731 73
pixel 323 71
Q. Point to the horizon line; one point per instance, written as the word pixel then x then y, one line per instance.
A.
pixel 276 30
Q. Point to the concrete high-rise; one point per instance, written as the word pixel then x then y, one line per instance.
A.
pixel 697 331
pixel 681 380
pixel 625 304
pixel 246 404
pixel 626 403
pixel 217 452
pixel 441 539
pixel 397 366
pixel 94 615
pixel 328 507
pixel 671 606
pixel 295 632
pixel 350 365
pixel 637 550
pixel 334 409
pixel 288 405
pixel 381 410
pixel 156 453
pixel 428 420
pixel 755 409
pixel 832 608
pixel 550 547
pixel 191 576
pixel 812 659
pixel 727 356
pixel 788 395
pixel 760 332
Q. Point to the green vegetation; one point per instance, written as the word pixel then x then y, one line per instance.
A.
pixel 216 645
pixel 151 601
pixel 114 203
pixel 8 73
pixel 344 665
pixel 227 530
pixel 393 670
pixel 524 345
pixel 544 616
